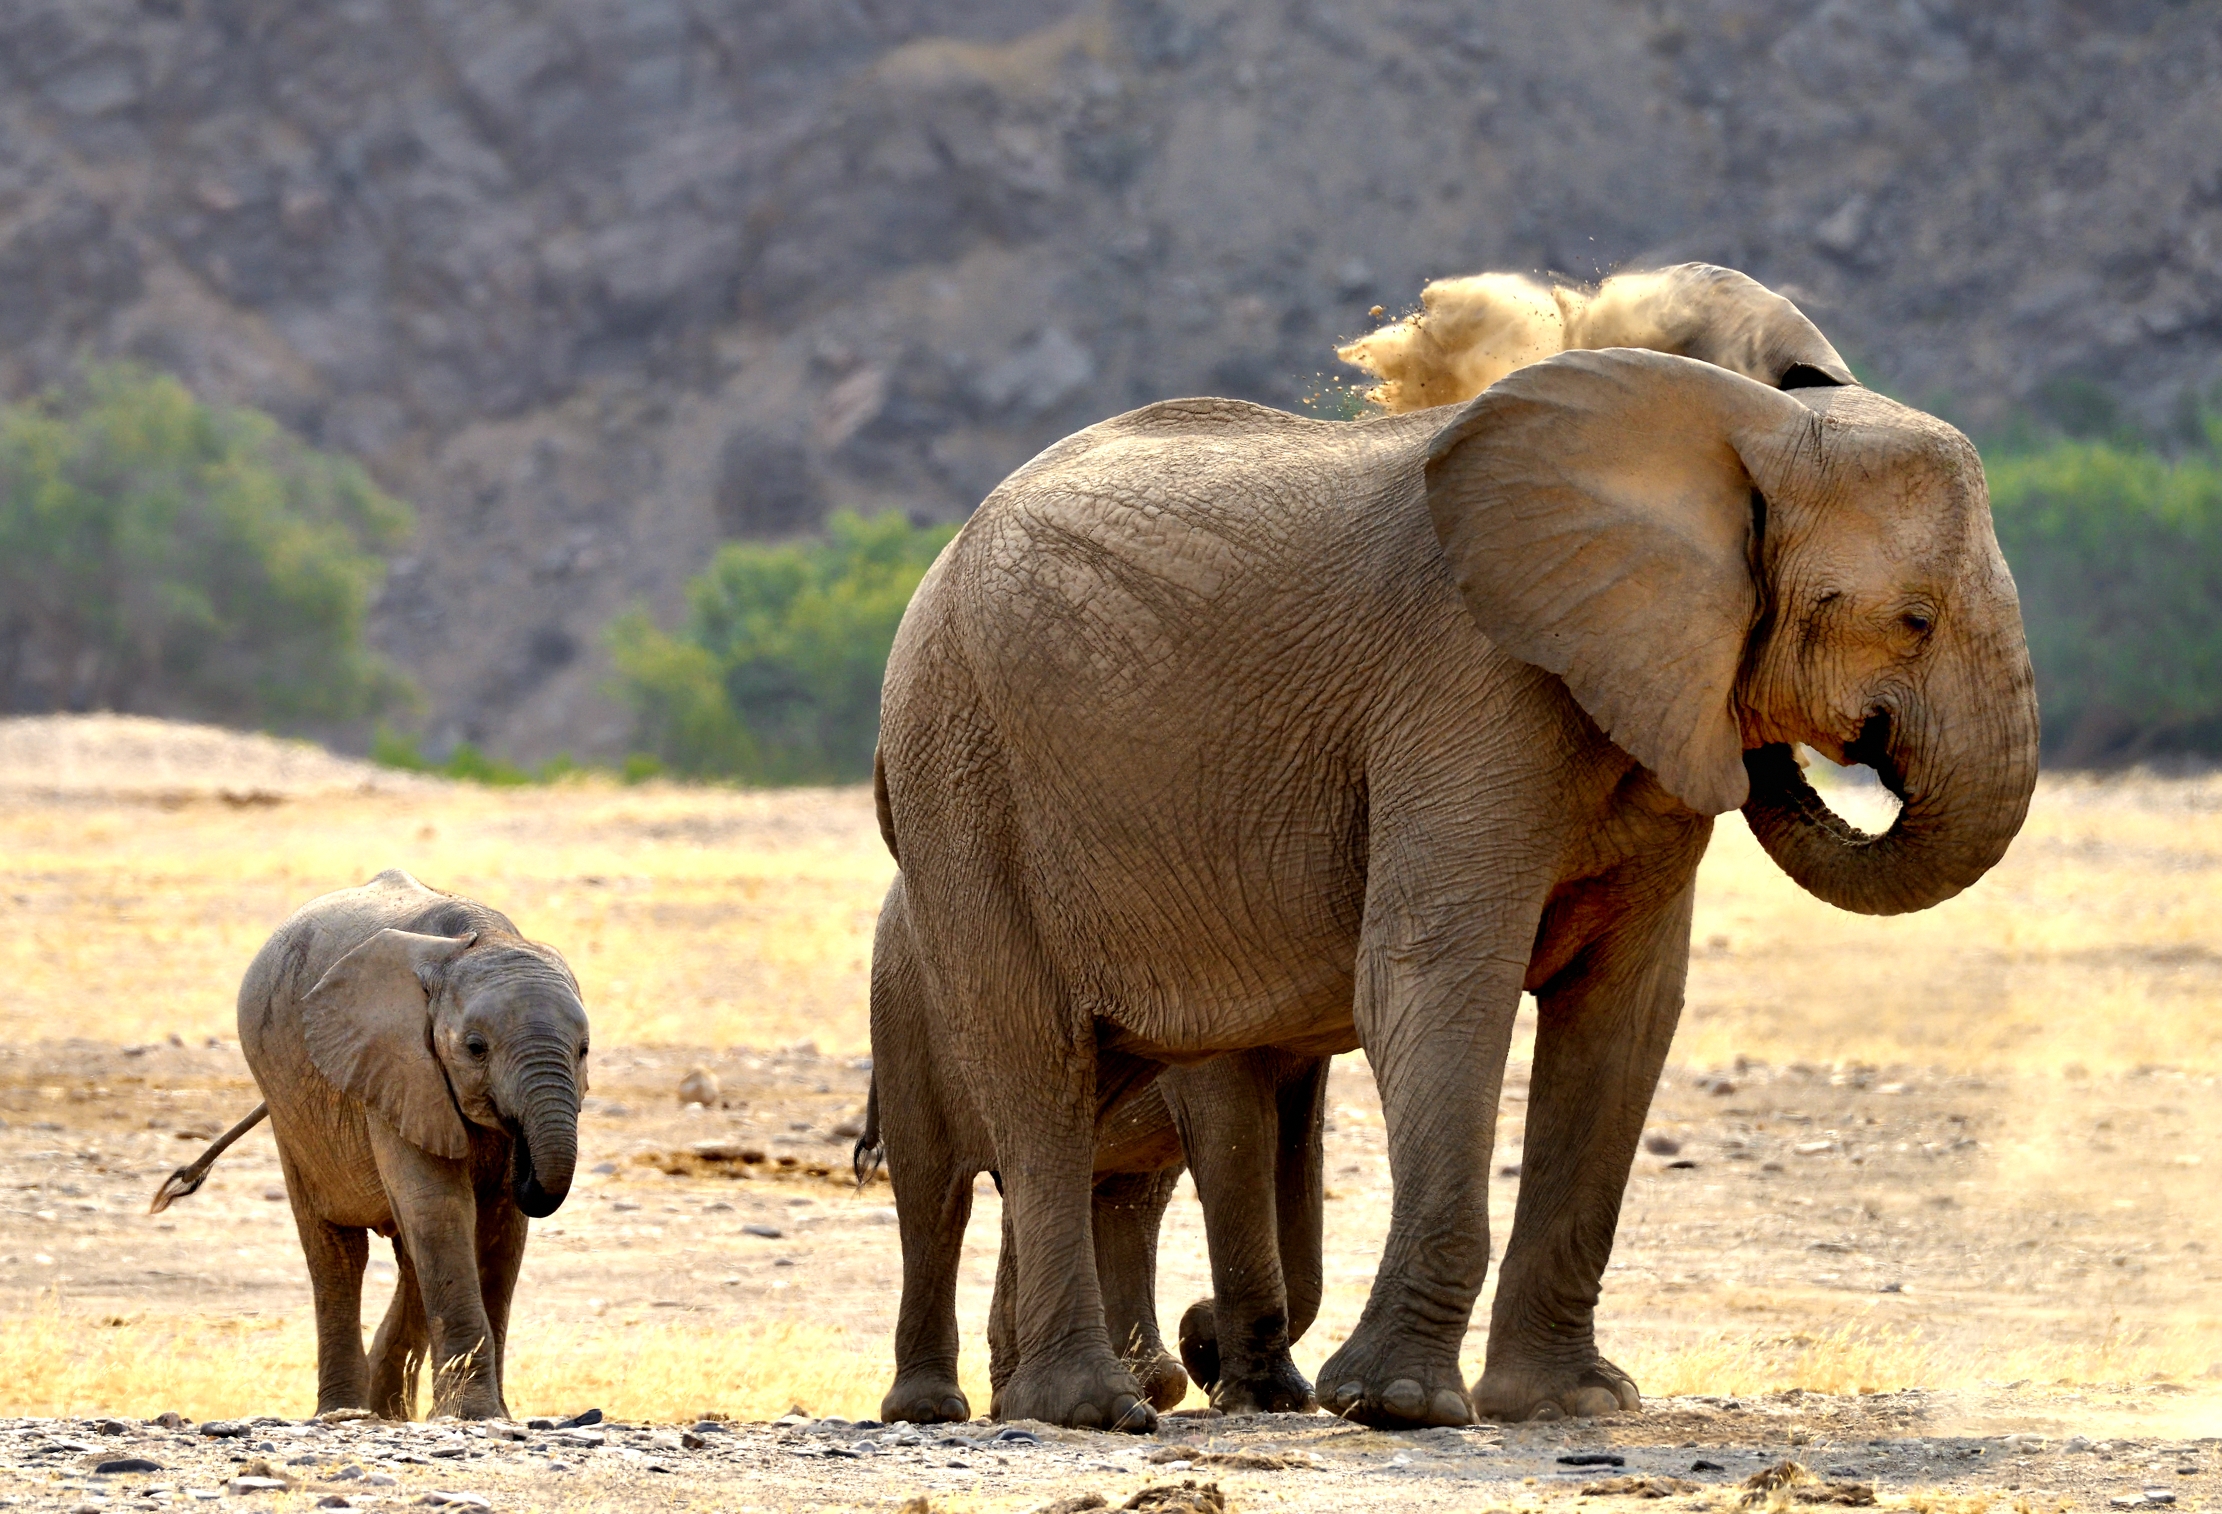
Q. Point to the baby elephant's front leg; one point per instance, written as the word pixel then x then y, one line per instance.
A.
pixel 436 1210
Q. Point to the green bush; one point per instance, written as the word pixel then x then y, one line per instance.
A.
pixel 395 749
pixel 775 677
pixel 162 555
pixel 2117 551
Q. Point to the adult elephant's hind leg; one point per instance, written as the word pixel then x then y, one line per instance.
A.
pixel 1602 1032
pixel 1029 1060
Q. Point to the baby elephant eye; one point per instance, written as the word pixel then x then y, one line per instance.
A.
pixel 475 1045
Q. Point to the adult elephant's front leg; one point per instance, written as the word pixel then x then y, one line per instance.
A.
pixel 1602 1032
pixel 1436 1019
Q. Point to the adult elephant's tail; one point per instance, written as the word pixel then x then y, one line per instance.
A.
pixel 188 1179
pixel 870 1149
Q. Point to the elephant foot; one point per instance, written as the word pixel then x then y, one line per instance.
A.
pixel 1080 1394
pixel 1271 1386
pixel 1267 1383
pixel 1394 1386
pixel 1163 1382
pixel 1555 1392
pixel 1199 1344
pixel 925 1398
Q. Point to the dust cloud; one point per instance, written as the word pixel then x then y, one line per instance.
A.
pixel 1472 331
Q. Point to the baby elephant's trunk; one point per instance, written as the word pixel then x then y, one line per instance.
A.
pixel 547 1137
pixel 188 1179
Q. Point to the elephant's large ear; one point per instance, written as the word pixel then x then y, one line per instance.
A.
pixel 368 1024
pixel 1598 512
pixel 1715 315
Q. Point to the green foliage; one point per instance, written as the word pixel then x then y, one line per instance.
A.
pixel 164 555
pixel 776 676
pixel 2117 551
pixel 395 750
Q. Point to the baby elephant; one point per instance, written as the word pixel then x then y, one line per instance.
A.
pixel 422 1065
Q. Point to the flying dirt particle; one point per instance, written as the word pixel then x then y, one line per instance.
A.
pixel 700 1086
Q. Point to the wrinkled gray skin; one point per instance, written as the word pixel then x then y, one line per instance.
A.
pixel 1255 1117
pixel 423 1065
pixel 1217 728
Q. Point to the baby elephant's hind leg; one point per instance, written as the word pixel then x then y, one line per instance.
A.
pixel 336 1254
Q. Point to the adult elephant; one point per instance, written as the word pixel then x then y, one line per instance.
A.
pixel 1219 728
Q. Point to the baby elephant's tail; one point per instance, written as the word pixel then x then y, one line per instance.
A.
pixel 188 1179
pixel 865 1159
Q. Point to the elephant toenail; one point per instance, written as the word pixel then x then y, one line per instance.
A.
pixel 1404 1398
pixel 1348 1395
pixel 1450 1407
pixel 1588 1403
pixel 1546 1410
pixel 1135 1417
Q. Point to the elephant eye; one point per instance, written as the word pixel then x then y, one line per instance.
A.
pixel 1916 621
pixel 475 1045
pixel 582 1051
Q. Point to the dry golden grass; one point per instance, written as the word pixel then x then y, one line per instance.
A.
pixel 692 916
pixel 2093 945
pixel 721 917
pixel 1863 1358
pixel 58 1360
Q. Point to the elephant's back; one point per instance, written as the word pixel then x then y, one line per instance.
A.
pixel 1162 546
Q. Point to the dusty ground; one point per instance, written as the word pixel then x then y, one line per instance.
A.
pixel 1911 1449
pixel 1919 1170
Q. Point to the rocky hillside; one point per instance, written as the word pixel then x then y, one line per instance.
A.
pixel 596 283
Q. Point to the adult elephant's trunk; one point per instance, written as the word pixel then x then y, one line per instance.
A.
pixel 1965 779
pixel 546 1129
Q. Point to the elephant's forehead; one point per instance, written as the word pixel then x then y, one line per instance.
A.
pixel 514 973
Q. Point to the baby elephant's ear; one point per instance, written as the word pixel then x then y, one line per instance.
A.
pixel 368 1024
